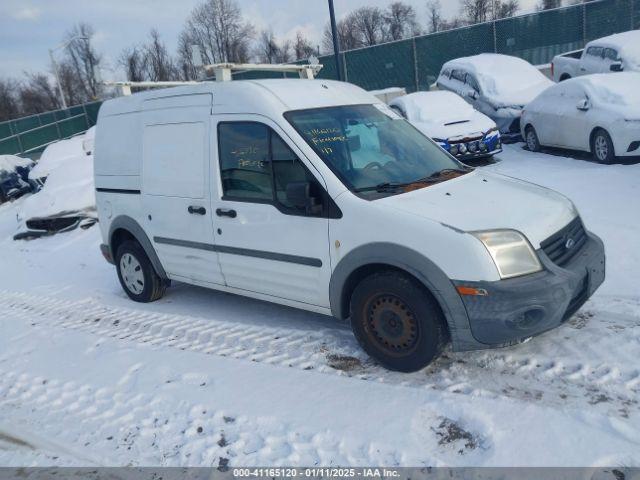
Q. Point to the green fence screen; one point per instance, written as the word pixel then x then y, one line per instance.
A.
pixel 30 135
pixel 415 63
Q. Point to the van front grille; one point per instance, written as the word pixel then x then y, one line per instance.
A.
pixel 564 244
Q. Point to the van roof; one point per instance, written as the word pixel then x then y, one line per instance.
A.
pixel 267 97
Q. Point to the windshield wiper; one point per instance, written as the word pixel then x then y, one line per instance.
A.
pixel 383 187
pixel 392 187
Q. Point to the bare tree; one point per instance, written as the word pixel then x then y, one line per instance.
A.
pixel 400 20
pixel 370 25
pixel 84 59
pixel 478 11
pixel 38 95
pixel 348 37
pixel 9 101
pixel 267 47
pixel 131 60
pixel 434 16
pixel 549 4
pixel 302 48
pixel 505 9
pixel 218 28
pixel 157 63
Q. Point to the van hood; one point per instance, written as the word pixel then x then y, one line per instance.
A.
pixel 486 201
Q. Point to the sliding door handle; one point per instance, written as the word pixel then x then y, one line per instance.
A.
pixel 197 210
pixel 223 212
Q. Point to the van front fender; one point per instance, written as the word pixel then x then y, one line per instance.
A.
pixel 415 264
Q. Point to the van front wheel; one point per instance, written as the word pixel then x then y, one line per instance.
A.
pixel 396 321
pixel 137 276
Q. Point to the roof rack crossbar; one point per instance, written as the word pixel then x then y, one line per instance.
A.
pixel 223 72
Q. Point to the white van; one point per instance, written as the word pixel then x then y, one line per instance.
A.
pixel 313 194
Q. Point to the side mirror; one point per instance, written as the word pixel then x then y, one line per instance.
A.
pixel 616 67
pixel 299 194
pixel 473 95
pixel 583 105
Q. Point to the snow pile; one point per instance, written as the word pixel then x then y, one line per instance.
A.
pixel 627 44
pixel 57 154
pixel 619 89
pixel 386 95
pixel 89 140
pixel 69 186
pixel 507 80
pixel 9 163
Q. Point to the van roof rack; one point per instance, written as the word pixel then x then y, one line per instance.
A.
pixel 223 72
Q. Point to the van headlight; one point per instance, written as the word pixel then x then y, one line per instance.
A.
pixel 511 252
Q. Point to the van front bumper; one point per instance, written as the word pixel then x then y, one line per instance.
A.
pixel 516 309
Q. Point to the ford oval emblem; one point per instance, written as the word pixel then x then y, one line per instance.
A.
pixel 570 243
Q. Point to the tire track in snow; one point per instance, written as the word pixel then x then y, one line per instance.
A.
pixel 129 428
pixel 523 372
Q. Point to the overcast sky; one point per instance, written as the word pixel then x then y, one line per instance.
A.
pixel 29 27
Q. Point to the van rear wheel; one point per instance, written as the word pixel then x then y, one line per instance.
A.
pixel 137 276
pixel 396 321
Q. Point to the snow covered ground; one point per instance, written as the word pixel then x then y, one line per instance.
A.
pixel 204 378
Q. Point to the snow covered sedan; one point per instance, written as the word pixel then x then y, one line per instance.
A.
pixel 497 85
pixel 451 122
pixel 595 113
pixel 615 53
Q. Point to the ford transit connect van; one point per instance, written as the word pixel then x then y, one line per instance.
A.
pixel 313 194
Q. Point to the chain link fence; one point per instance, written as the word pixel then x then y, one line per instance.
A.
pixel 30 135
pixel 415 63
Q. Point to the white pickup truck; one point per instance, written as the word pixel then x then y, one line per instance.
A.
pixel 615 53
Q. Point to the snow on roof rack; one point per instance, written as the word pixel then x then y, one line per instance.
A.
pixel 223 72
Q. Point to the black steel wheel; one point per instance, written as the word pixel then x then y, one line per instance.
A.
pixel 397 321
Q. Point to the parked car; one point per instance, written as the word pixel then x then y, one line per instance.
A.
pixel 315 195
pixel 497 85
pixel 14 177
pixel 452 123
pixel 595 113
pixel 615 53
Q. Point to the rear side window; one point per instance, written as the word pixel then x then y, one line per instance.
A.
pixel 472 82
pixel 256 165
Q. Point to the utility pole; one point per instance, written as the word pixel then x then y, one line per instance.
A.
pixel 55 72
pixel 334 35
pixel 55 66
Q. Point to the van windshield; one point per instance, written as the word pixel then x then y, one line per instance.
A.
pixel 373 150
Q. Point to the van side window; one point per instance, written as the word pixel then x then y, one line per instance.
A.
pixel 611 54
pixel 245 165
pixel 472 82
pixel 257 165
pixel 458 75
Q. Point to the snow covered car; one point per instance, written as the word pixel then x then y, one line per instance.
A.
pixel 595 113
pixel 14 177
pixel 497 85
pixel 615 53
pixel 315 195
pixel 451 122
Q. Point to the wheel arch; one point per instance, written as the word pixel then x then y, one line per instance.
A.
pixel 371 258
pixel 565 76
pixel 124 228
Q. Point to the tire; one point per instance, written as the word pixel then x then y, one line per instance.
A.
pixel 396 321
pixel 564 77
pixel 137 276
pixel 602 147
pixel 531 137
